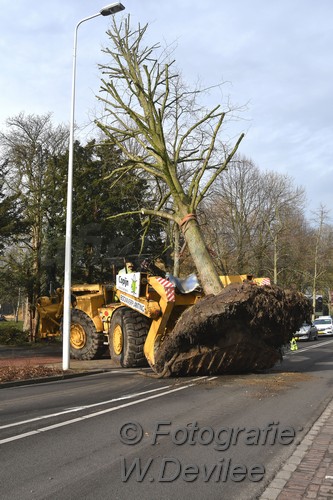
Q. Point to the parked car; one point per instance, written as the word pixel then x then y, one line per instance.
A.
pixel 324 325
pixel 308 331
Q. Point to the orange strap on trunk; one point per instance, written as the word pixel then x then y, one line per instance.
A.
pixel 187 218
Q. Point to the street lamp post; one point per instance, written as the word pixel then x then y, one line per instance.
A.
pixel 105 11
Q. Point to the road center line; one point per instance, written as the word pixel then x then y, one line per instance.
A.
pixel 91 415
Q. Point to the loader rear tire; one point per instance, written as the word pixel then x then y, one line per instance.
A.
pixel 85 342
pixel 127 335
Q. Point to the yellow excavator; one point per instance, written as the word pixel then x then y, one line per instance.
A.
pixel 138 319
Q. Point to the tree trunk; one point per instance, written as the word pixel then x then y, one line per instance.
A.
pixel 202 259
pixel 176 251
pixel 275 261
pixel 26 316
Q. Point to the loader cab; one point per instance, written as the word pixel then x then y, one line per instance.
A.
pixel 248 278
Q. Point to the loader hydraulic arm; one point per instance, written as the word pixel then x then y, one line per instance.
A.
pixel 167 297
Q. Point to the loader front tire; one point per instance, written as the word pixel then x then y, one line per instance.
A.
pixel 85 342
pixel 127 335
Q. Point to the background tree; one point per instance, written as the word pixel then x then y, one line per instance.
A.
pixel 280 203
pixel 12 229
pixel 232 216
pixel 293 264
pixel 32 200
pixel 321 252
pixel 177 141
pixel 28 147
pixel 97 237
pixel 11 224
pixel 248 218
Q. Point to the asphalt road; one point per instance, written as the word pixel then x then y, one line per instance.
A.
pixel 123 435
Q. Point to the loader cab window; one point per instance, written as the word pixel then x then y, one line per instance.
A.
pixel 129 268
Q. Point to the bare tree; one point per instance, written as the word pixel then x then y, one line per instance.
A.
pixel 232 215
pixel 320 252
pixel 251 211
pixel 176 141
pixel 29 146
pixel 280 202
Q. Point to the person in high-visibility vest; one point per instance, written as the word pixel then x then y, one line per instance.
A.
pixel 293 344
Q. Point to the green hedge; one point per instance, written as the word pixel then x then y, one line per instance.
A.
pixel 11 333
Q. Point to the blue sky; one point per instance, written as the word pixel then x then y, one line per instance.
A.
pixel 276 59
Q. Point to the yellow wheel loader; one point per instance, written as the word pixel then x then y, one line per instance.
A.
pixel 124 317
pixel 86 333
pixel 169 324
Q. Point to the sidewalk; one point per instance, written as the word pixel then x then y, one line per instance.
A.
pixel 29 361
pixel 308 473
pixel 46 355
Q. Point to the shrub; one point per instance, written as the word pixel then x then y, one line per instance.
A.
pixel 11 333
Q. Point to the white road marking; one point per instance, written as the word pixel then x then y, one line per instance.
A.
pixel 85 407
pixel 91 415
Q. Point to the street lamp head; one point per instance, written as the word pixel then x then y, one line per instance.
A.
pixel 113 8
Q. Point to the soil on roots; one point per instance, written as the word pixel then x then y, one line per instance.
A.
pixel 241 329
